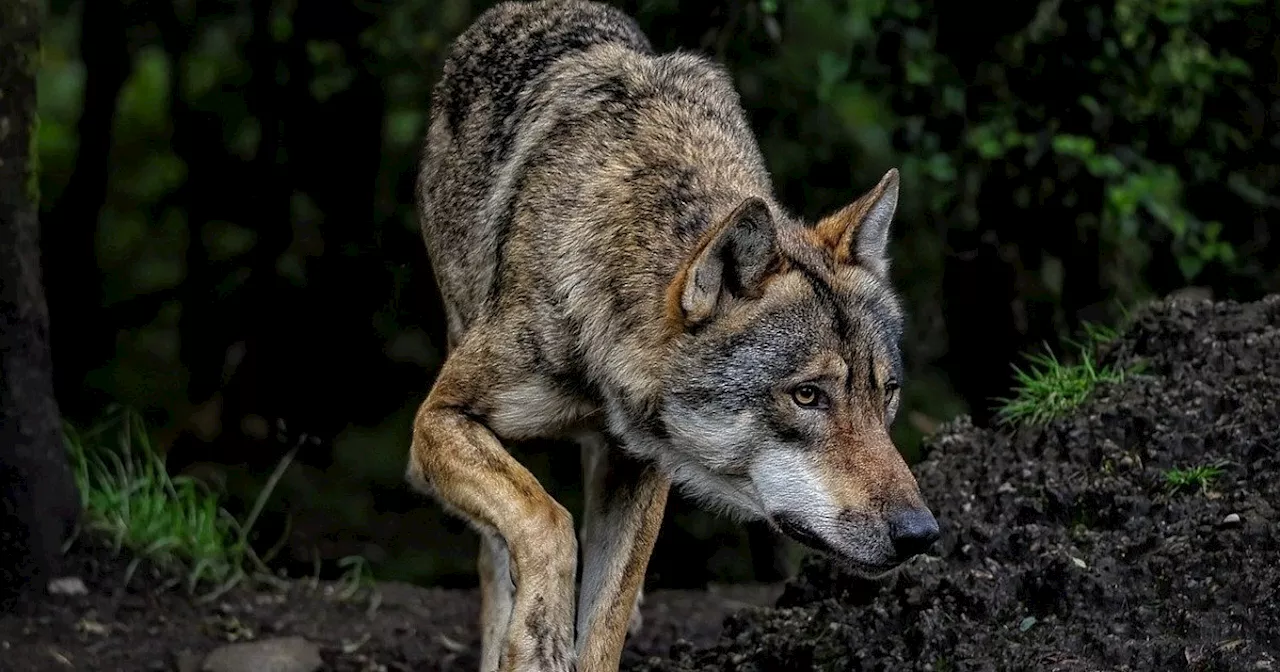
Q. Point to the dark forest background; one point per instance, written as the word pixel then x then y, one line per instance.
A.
pixel 229 239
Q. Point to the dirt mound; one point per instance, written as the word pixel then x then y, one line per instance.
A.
pixel 1065 547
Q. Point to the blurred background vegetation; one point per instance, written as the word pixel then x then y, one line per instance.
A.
pixel 230 240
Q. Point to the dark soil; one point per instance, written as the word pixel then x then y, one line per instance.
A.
pixel 147 626
pixel 1063 549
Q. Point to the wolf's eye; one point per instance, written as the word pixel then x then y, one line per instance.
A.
pixel 890 393
pixel 808 396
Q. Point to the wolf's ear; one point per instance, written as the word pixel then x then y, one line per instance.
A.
pixel 735 259
pixel 859 232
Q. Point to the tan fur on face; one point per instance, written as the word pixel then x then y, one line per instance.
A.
pixel 865 472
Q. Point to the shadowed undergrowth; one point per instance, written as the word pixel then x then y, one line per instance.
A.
pixel 177 523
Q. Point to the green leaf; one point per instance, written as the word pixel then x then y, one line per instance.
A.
pixel 1104 165
pixel 953 99
pixel 1242 187
pixel 940 168
pixel 1074 145
pixel 919 73
pixel 1091 104
pixel 1190 266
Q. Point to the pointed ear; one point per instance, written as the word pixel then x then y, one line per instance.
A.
pixel 734 259
pixel 859 232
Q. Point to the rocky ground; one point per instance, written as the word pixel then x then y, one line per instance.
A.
pixel 1064 548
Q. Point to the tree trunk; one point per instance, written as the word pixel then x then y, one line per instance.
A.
pixel 38 500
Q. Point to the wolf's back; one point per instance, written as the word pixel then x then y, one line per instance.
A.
pixel 479 107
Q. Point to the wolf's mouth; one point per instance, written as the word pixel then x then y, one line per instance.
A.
pixel 792 528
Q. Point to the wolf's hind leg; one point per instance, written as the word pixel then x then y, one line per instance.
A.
pixel 623 505
pixel 459 461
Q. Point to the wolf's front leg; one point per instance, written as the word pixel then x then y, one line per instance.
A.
pixel 624 501
pixel 460 462
pixel 496 595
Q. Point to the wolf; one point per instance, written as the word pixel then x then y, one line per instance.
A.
pixel 617 272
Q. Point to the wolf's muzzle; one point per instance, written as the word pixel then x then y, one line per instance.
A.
pixel 913 531
pixel 796 530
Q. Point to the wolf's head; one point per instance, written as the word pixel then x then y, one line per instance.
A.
pixel 787 379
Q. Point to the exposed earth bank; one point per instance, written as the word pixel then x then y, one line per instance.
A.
pixel 1064 548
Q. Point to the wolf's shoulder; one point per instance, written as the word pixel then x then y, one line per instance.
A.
pixel 511 43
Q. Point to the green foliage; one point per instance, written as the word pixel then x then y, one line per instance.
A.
pixel 1192 478
pixel 1156 191
pixel 333 73
pixel 1093 337
pixel 1049 389
pixel 130 499
pixel 1119 99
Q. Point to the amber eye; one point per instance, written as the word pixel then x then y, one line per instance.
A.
pixel 808 396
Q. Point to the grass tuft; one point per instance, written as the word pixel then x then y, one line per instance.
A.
pixel 356 575
pixel 176 523
pixel 1194 478
pixel 1095 335
pixel 1048 389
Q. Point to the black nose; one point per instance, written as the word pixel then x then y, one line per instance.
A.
pixel 913 531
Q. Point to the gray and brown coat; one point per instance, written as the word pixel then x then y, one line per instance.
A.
pixel 615 269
